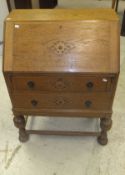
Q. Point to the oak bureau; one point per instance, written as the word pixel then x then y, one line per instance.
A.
pixel 63 63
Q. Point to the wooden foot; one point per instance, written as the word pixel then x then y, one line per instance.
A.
pixel 105 124
pixel 102 139
pixel 20 122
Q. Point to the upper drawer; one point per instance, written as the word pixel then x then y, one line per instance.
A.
pixel 62 83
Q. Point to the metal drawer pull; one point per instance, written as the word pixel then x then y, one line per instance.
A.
pixel 90 85
pixel 34 103
pixel 31 84
pixel 88 104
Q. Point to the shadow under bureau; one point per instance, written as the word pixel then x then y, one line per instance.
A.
pixel 62 63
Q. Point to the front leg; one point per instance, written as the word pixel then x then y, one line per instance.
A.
pixel 20 122
pixel 105 124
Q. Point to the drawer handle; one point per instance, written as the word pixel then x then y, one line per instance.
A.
pixel 31 84
pixel 34 103
pixel 90 85
pixel 88 104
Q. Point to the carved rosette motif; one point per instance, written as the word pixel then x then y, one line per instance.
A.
pixel 60 84
pixel 60 101
pixel 60 47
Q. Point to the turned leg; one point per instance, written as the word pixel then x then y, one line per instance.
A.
pixel 20 122
pixel 105 124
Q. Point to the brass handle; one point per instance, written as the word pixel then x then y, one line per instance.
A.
pixel 89 85
pixel 88 104
pixel 34 103
pixel 31 84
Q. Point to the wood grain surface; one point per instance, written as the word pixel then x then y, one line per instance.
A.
pixel 63 14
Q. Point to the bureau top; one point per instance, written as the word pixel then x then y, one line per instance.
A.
pixel 62 14
pixel 62 40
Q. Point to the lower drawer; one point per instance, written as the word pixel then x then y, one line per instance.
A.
pixel 96 101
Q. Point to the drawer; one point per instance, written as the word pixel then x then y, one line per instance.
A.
pixel 61 83
pixel 91 101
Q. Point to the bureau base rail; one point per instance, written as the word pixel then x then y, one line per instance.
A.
pixel 105 124
pixel 63 133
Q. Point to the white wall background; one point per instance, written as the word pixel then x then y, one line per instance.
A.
pixel 3 14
